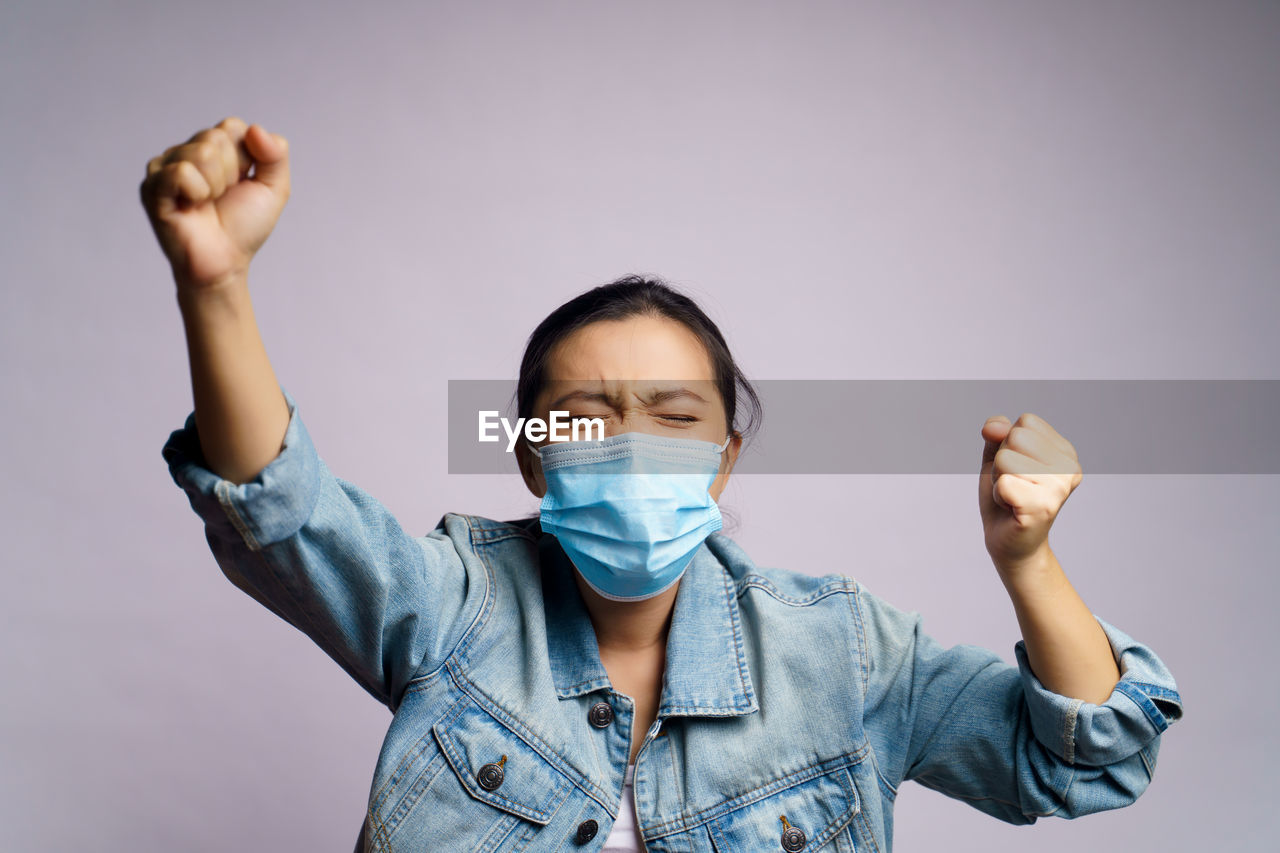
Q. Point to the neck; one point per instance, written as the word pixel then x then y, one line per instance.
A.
pixel 629 626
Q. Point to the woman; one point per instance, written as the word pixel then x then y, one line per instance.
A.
pixel 616 674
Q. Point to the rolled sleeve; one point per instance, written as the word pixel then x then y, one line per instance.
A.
pixel 1141 706
pixel 965 722
pixel 270 507
pixel 330 559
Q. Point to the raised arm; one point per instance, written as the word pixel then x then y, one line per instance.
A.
pixel 1075 727
pixel 314 549
pixel 211 217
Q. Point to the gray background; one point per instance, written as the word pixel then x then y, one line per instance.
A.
pixel 982 190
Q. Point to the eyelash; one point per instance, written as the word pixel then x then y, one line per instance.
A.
pixel 684 419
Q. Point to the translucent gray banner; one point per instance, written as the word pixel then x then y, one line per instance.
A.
pixel 856 426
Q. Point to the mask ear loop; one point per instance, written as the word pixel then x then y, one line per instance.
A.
pixel 720 449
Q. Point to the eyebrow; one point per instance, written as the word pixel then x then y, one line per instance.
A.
pixel 658 396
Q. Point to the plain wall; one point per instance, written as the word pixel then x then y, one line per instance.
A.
pixel 852 190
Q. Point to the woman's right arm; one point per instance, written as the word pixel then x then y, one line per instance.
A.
pixel 211 217
pixel 239 407
pixel 314 549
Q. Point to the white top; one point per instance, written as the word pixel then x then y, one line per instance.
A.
pixel 624 838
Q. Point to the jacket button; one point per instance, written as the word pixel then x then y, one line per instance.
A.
pixel 587 831
pixel 601 715
pixel 792 839
pixel 490 776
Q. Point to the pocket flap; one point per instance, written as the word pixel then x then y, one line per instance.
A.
pixel 529 785
pixel 819 807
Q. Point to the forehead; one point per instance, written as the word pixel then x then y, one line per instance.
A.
pixel 637 348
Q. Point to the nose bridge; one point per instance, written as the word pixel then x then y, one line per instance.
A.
pixel 630 419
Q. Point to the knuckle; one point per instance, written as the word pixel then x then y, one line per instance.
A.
pixel 205 151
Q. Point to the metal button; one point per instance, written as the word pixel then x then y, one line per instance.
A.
pixel 792 839
pixel 490 775
pixel 601 715
pixel 587 831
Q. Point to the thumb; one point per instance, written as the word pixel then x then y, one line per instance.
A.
pixel 994 431
pixel 270 152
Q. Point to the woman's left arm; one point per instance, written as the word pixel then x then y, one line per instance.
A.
pixel 1028 471
pixel 1075 727
pixel 1065 646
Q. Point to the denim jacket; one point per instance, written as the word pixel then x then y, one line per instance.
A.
pixel 792 706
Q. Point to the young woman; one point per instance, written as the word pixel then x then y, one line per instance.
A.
pixel 616 674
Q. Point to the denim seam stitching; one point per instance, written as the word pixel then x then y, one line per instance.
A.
pixel 875 763
pixel 593 683
pixel 1149 709
pixel 1146 763
pixel 406 759
pixel 791 780
pixel 420 683
pixel 858 819
pixel 1069 730
pixel 765 585
pixel 743 677
pixel 222 490
pixel 1071 780
pixel 1155 691
pixel 463 644
pixel 409 799
pixel 855 605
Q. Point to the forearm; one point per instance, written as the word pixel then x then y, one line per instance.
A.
pixel 241 414
pixel 1067 648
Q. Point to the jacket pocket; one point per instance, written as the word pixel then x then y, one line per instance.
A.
pixel 483 789
pixel 809 815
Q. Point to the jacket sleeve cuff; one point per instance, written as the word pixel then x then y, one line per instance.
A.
pixel 1141 706
pixel 272 506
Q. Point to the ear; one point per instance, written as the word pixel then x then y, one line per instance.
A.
pixel 722 479
pixel 530 469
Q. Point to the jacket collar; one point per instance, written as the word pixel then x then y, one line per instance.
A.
pixel 706 672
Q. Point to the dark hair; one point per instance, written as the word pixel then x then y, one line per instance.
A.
pixel 631 296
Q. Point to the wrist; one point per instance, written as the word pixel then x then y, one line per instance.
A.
pixel 1038 574
pixel 230 292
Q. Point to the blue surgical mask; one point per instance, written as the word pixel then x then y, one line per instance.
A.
pixel 630 510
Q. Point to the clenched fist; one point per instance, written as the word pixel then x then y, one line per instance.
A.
pixel 209 214
pixel 1028 471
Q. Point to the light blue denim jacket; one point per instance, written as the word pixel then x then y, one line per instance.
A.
pixel 784 695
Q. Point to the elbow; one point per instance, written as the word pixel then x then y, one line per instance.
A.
pixel 1113 786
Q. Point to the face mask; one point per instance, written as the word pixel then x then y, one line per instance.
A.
pixel 630 510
